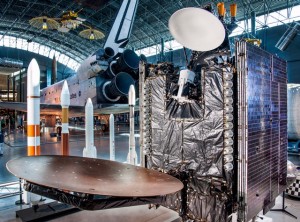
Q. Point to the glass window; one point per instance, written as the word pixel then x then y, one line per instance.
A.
pixel 6 41
pixel 35 47
pixel 19 43
pixel 41 50
pixel 51 53
pixel 61 58
pixel 30 46
pixel 67 61
pixel 1 40
pixel 73 64
pixel 12 42
pixel 295 13
pixel 46 51
pixel 24 45
pixel 57 55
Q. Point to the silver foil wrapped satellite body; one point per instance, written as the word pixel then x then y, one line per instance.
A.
pixel 224 137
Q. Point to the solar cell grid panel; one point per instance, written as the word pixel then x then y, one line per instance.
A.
pixel 262 95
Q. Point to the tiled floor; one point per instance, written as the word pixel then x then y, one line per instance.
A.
pixel 15 147
pixel 292 206
pixel 125 214
pixel 143 214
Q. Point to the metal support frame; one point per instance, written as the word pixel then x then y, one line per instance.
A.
pixel 6 186
pixel 153 18
pixel 8 78
pixel 20 87
pixel 162 54
pixel 14 88
pixel 253 23
pixel 89 201
pixel 283 208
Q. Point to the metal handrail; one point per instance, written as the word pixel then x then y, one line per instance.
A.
pixel 9 184
pixel 11 194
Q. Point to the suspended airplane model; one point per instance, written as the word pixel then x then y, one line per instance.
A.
pixel 105 76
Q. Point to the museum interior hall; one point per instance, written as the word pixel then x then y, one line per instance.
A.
pixel 150 110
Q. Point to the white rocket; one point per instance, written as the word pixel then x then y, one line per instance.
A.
pixel 90 149
pixel 111 137
pixel 132 156
pixel 33 109
pixel 33 119
pixel 65 103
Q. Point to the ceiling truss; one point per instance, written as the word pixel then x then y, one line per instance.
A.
pixel 151 24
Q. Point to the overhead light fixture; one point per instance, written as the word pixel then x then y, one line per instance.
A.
pixel 44 23
pixel 92 35
pixel 288 37
pixel 45 26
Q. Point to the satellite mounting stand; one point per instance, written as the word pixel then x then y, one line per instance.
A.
pixel 283 209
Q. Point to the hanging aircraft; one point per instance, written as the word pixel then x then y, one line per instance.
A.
pixel 105 76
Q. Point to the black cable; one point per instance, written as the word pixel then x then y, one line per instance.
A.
pixel 185 56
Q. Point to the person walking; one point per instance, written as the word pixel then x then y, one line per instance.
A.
pixel 1 142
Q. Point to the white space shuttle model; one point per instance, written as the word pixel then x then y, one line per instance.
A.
pixel 105 76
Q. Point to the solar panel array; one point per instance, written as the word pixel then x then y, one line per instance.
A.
pixel 262 99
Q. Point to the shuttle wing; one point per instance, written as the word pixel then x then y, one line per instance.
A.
pixel 45 109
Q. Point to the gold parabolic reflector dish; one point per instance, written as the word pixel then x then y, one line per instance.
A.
pixel 93 176
pixel 197 29
pixel 38 22
pixel 87 33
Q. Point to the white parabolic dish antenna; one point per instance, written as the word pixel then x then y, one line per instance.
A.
pixel 197 29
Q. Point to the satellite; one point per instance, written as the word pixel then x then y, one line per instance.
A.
pixel 220 126
pixel 68 21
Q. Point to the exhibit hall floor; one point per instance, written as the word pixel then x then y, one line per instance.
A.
pixel 141 213
pixel 15 146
